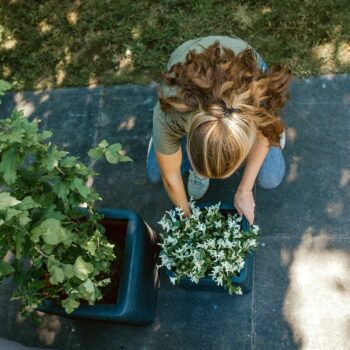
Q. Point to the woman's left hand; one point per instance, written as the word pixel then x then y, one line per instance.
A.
pixel 245 204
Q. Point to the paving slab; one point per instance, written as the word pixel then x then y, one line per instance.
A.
pixel 302 292
pixel 316 188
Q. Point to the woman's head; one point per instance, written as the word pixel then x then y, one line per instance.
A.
pixel 218 144
pixel 211 82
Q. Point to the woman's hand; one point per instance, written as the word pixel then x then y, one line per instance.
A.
pixel 245 204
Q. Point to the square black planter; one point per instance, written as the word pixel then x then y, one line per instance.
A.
pixel 245 277
pixel 135 301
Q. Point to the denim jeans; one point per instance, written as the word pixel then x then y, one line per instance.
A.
pixel 271 172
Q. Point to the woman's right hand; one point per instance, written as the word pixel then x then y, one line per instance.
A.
pixel 245 204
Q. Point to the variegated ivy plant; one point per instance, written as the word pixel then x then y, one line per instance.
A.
pixel 50 249
pixel 205 243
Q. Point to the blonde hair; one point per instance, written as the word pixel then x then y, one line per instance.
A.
pixel 218 145
pixel 210 83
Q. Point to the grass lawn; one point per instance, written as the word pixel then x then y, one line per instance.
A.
pixel 48 44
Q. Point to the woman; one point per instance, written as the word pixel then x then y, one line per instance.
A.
pixel 218 107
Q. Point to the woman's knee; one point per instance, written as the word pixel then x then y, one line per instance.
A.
pixel 270 182
pixel 273 169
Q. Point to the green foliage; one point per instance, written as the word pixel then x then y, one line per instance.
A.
pixel 40 190
pixel 205 243
pixel 113 153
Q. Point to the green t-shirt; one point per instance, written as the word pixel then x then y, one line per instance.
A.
pixel 169 127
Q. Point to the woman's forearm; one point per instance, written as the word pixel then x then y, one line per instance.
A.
pixel 254 162
pixel 176 192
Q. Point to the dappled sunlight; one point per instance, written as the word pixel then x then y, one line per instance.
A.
pixel 335 209
pixel 124 63
pixel 266 9
pixel 324 53
pixel 67 55
pixel 136 32
pixel 127 124
pixel 343 53
pixel 22 105
pixel 286 256
pixel 317 302
pixel 44 98
pixel 291 134
pixel 9 44
pixel 49 328
pixel 44 27
pixel 329 53
pixel 293 170
pixel 344 178
pixel 72 17
pixel 6 71
pixel 60 75
pixel 44 83
pixel 93 81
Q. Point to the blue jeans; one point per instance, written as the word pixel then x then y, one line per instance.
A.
pixel 271 172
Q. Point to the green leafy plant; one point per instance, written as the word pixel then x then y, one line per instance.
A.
pixel 50 248
pixel 205 243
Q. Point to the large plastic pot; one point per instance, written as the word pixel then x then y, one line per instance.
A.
pixel 135 301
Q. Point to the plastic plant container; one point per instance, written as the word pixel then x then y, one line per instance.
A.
pixel 245 277
pixel 135 301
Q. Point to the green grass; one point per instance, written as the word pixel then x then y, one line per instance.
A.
pixel 45 44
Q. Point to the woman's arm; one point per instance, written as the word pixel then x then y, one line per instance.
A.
pixel 170 169
pixel 244 200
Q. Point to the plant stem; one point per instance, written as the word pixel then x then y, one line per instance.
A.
pixel 47 256
pixel 60 170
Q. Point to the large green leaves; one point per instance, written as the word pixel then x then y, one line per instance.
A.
pixel 82 269
pixel 113 153
pixel 70 304
pixel 51 232
pixel 57 275
pixel 87 289
pixel 52 159
pixel 8 165
pixel 28 203
pixel 79 185
pixel 6 200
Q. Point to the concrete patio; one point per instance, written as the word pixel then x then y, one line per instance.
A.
pixel 301 291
